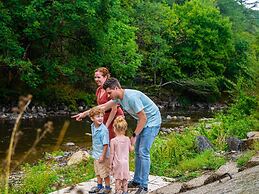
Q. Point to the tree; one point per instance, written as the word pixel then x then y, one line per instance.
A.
pixel 203 41
pixel 155 22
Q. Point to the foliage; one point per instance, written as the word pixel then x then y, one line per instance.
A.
pixel 245 157
pixel 65 94
pixel 78 173
pixel 155 23
pixel 239 119
pixel 203 39
pixel 245 30
pixel 38 179
pixel 54 154
pixel 206 44
pixel 65 41
pixel 206 160
pixel 176 155
pixel 46 177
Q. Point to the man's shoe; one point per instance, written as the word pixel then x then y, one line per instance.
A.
pixel 142 191
pixel 133 184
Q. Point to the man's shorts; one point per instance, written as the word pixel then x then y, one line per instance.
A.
pixel 102 169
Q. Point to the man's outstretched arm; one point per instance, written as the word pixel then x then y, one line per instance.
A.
pixel 106 106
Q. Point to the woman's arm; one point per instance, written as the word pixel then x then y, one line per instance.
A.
pixel 111 116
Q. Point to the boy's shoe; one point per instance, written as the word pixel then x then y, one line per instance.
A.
pixel 94 190
pixel 104 191
pixel 133 184
pixel 142 190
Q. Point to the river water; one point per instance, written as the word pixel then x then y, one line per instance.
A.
pixel 75 133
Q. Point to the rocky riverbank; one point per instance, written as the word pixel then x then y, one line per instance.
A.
pixel 38 111
pixel 227 179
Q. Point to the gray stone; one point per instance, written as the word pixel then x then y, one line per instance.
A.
pixel 234 144
pixel 229 167
pixel 168 117
pixel 252 134
pixel 171 188
pixel 203 143
pixel 78 157
pixel 254 161
pixel 70 144
pixel 246 181
pixel 194 183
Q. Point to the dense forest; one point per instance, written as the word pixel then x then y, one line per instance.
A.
pixel 199 49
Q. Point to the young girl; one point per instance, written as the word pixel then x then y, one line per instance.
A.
pixel 120 146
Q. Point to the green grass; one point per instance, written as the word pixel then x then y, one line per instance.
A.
pixel 245 157
pixel 176 156
pixel 206 160
pixel 46 177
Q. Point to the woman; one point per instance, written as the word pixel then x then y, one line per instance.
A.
pixel 100 76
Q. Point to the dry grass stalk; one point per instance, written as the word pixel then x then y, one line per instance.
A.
pixel 48 128
pixel 23 104
pixel 16 134
pixel 62 135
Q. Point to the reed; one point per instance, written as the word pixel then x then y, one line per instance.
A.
pixel 15 136
pixel 22 105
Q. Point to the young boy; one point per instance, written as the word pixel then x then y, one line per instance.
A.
pixel 100 138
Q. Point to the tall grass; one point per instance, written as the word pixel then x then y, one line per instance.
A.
pixel 176 154
pixel 23 104
pixel 240 118
pixel 15 136
pixel 45 177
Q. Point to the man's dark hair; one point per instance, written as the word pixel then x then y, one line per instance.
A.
pixel 111 83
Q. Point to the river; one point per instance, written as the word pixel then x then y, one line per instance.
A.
pixel 75 133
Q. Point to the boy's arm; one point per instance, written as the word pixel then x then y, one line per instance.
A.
pixel 103 156
pixel 105 142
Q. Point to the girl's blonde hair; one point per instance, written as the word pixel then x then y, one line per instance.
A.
pixel 104 71
pixel 120 124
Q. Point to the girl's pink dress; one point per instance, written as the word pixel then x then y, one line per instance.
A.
pixel 119 157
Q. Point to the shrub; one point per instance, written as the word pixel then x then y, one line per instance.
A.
pixel 46 177
pixel 244 158
pixel 65 94
pixel 38 179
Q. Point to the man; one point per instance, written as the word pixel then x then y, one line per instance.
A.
pixel 144 110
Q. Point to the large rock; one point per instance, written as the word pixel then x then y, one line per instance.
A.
pixel 254 161
pixel 203 143
pixel 194 183
pixel 234 144
pixel 229 167
pixel 253 137
pixel 78 157
pixel 252 134
pixel 171 188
